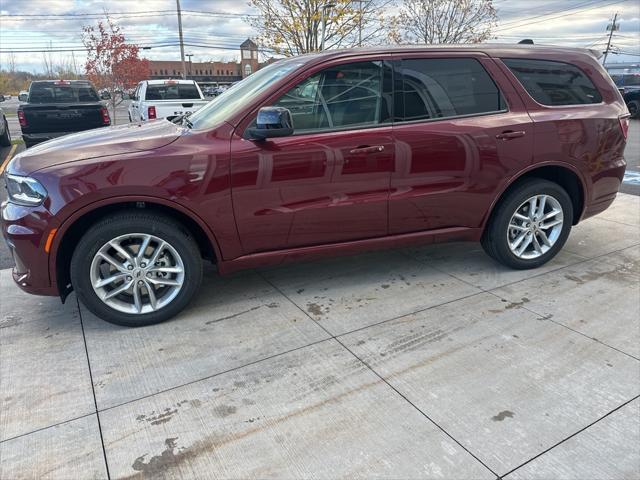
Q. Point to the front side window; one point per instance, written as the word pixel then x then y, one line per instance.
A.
pixel 445 87
pixel 343 96
pixel 554 83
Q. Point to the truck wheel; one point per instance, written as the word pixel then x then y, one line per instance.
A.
pixel 5 139
pixel 530 225
pixel 136 269
pixel 634 108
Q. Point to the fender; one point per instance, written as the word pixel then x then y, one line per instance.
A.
pixel 66 223
pixel 529 168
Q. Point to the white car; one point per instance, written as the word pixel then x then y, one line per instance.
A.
pixel 165 98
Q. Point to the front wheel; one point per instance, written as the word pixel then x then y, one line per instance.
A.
pixel 634 108
pixel 530 225
pixel 136 269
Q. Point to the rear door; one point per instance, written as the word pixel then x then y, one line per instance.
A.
pixel 329 181
pixel 461 131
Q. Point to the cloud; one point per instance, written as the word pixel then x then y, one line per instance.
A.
pixel 578 23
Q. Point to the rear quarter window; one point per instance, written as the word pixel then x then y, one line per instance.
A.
pixel 554 83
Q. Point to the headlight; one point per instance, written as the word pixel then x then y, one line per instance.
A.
pixel 25 190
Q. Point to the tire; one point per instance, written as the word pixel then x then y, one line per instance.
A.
pixel 5 139
pixel 634 108
pixel 86 262
pixel 497 235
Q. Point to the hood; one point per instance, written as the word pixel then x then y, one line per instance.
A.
pixel 101 142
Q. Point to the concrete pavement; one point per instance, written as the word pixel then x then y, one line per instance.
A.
pixel 429 362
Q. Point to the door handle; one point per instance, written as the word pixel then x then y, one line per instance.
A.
pixel 367 149
pixel 510 135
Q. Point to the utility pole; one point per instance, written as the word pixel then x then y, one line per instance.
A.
pixel 184 70
pixel 612 27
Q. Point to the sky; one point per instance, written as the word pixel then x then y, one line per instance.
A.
pixel 217 33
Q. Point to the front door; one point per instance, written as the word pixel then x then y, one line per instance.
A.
pixel 458 135
pixel 329 181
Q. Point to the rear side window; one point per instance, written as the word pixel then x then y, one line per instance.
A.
pixel 176 91
pixel 445 87
pixel 554 83
pixel 62 93
pixel 339 97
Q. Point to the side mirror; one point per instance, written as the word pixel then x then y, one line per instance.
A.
pixel 272 122
pixel 23 97
pixel 2 98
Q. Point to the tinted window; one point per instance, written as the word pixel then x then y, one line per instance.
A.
pixel 176 91
pixel 445 87
pixel 554 83
pixel 342 96
pixel 62 93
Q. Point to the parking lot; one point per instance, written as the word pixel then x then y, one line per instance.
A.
pixel 432 362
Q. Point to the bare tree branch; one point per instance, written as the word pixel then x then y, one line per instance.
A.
pixel 443 21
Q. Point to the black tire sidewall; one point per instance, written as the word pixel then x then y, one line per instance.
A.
pixel 636 104
pixel 498 237
pixel 114 226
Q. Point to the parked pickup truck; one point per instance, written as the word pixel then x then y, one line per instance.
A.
pixel 165 99
pixel 58 107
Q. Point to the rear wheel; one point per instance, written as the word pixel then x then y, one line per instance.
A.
pixel 530 225
pixel 5 138
pixel 634 108
pixel 136 269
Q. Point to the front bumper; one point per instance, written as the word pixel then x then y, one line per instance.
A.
pixel 24 229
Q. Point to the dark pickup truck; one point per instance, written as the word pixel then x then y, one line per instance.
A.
pixel 59 107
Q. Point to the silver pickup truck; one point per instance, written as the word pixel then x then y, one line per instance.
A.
pixel 165 99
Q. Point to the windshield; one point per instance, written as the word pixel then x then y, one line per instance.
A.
pixel 242 93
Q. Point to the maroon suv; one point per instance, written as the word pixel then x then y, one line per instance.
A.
pixel 318 155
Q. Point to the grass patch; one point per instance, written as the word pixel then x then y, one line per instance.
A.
pixel 17 141
pixel 10 114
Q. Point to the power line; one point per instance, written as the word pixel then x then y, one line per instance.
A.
pixel 527 21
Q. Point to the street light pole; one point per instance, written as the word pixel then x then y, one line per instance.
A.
pixel 190 68
pixel 184 71
pixel 324 9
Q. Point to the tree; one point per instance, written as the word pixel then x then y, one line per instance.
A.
pixel 112 64
pixel 443 21
pixel 294 27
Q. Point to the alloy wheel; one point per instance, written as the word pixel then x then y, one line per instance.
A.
pixel 535 227
pixel 137 273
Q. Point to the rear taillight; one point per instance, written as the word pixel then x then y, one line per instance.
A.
pixel 624 125
pixel 151 113
pixel 106 120
pixel 22 119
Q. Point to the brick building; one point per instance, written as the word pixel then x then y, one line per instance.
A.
pixel 211 72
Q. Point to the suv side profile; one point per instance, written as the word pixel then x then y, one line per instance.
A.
pixel 324 154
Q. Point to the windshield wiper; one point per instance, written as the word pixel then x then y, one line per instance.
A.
pixel 186 121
